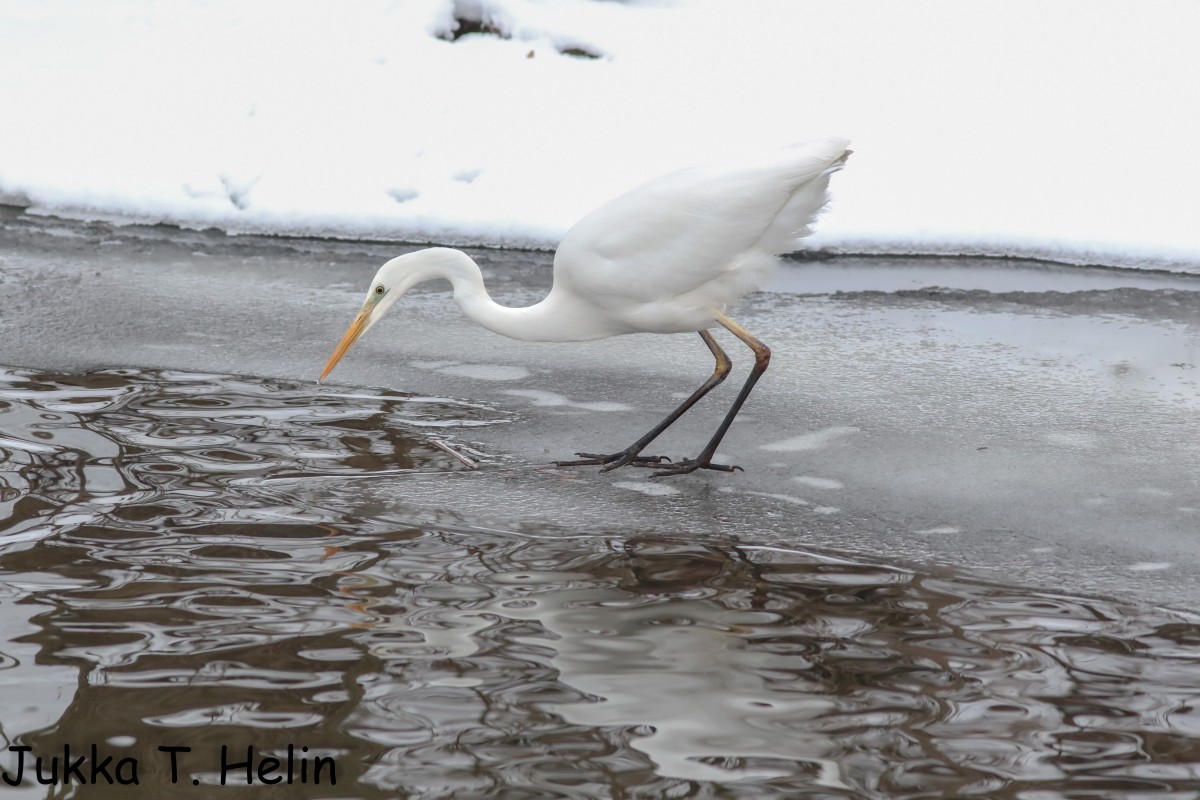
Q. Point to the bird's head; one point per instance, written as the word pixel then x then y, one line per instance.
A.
pixel 390 283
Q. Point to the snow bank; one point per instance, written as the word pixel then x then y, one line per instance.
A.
pixel 1065 129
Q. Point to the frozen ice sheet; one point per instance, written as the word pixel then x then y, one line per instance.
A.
pixel 1056 432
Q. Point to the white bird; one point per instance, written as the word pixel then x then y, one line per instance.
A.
pixel 666 257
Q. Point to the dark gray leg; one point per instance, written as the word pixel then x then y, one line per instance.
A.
pixel 630 454
pixel 762 357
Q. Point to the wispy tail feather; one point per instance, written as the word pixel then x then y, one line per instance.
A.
pixel 809 198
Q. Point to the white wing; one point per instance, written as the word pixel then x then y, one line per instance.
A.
pixel 704 235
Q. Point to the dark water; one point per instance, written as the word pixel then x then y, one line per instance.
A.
pixel 166 580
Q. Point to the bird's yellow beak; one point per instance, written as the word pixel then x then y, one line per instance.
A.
pixel 351 336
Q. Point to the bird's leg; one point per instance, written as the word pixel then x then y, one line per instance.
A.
pixel 762 357
pixel 630 454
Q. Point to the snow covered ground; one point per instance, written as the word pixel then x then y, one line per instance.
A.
pixel 1065 129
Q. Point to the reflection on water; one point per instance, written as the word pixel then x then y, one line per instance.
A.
pixel 157 591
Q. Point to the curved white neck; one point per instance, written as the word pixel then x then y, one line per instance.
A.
pixel 547 321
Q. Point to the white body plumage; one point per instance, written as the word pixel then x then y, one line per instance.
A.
pixel 657 259
pixel 666 257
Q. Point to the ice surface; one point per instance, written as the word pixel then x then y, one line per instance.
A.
pixel 540 398
pixel 647 488
pixel 813 440
pixel 818 483
pixel 486 372
pixel 1055 431
pixel 1065 130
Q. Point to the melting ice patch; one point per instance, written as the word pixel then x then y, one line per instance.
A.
pixel 486 372
pixel 540 398
pixel 940 530
pixel 784 498
pixel 814 440
pixel 480 372
pixel 646 487
pixel 818 483
pixel 1149 566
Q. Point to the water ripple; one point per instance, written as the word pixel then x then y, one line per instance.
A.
pixel 145 550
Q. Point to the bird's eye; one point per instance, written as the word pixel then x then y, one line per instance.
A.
pixel 379 289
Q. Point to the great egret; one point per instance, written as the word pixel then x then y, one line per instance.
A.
pixel 665 257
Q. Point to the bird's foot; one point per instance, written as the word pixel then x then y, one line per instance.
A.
pixel 613 460
pixel 692 464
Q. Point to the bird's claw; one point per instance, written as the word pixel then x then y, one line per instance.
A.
pixel 612 461
pixel 637 461
pixel 689 465
pixel 652 463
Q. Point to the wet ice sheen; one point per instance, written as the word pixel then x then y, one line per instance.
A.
pixel 155 586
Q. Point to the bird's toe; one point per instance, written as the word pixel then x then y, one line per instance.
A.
pixel 650 461
pixel 585 460
pixel 637 461
pixel 612 461
pixel 691 465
